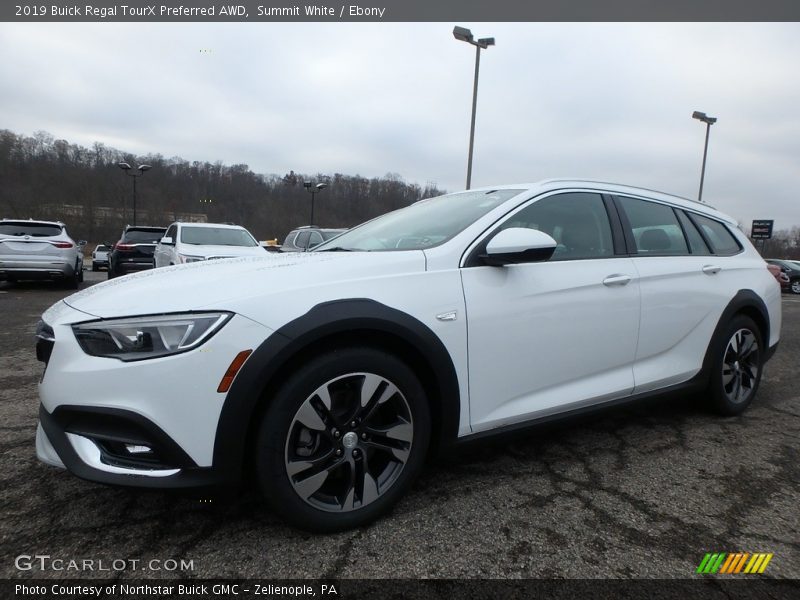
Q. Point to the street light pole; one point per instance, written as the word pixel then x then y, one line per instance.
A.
pixel 127 168
pixel 465 35
pixel 314 190
pixel 709 121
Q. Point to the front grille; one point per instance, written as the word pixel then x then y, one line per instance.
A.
pixel 45 338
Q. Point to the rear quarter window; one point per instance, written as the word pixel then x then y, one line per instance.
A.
pixel 719 237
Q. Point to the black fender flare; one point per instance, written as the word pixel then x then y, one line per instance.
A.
pixel 744 300
pixel 325 319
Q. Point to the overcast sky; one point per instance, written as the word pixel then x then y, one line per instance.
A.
pixel 601 101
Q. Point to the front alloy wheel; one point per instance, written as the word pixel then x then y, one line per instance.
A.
pixel 342 439
pixel 795 286
pixel 348 442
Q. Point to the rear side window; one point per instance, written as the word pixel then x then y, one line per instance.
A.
pixel 696 243
pixel 31 229
pixel 721 240
pixel 302 239
pixel 655 228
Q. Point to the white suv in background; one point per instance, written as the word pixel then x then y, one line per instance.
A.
pixel 194 242
pixel 328 376
pixel 39 250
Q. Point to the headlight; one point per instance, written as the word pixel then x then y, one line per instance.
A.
pixel 185 258
pixel 138 338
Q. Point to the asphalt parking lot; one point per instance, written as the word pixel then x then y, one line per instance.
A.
pixel 637 492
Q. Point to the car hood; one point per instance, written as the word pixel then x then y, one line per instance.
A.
pixel 219 284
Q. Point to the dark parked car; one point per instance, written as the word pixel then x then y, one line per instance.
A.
pixel 791 270
pixel 134 250
pixel 305 238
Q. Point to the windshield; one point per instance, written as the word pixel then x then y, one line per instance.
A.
pixel 31 229
pixel 422 225
pixel 216 236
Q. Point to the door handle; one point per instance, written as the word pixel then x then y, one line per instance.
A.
pixel 617 279
pixel 711 269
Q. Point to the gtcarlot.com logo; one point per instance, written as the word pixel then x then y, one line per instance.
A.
pixel 46 562
pixel 734 563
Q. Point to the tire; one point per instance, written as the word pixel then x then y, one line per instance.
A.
pixel 367 455
pixel 95 267
pixel 737 367
pixel 794 286
pixel 111 273
pixel 74 280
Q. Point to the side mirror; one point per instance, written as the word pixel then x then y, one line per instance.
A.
pixel 167 241
pixel 518 245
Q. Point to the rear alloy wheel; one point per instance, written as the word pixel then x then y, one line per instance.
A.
pixel 737 370
pixel 343 439
pixel 795 286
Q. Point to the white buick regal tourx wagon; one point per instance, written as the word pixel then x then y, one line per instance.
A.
pixel 328 376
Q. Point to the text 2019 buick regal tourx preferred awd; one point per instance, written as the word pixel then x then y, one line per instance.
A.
pixel 328 376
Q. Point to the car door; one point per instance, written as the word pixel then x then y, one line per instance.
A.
pixel 550 336
pixel 684 289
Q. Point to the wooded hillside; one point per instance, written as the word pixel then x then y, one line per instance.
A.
pixel 45 178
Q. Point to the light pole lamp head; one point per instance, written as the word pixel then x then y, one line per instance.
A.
pixel 307 184
pixel 124 166
pixel 462 34
pixel 701 116
pixel 321 186
pixel 143 168
pixel 486 42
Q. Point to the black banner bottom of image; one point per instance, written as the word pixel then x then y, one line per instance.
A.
pixel 446 589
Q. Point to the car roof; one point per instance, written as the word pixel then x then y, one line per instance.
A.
pixel 547 185
pixel 145 227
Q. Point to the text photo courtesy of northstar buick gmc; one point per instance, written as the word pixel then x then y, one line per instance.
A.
pixel 328 376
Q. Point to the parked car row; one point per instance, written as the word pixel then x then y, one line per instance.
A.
pixel 142 247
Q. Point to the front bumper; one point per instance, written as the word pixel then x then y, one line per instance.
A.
pixel 149 423
pixel 92 445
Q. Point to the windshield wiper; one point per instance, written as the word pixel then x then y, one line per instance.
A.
pixel 335 249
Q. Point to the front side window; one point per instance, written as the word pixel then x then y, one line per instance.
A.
pixel 216 236
pixel 577 221
pixel 172 232
pixel 656 231
pixel 422 225
pixel 721 240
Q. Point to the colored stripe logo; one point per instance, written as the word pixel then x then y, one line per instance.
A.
pixel 734 563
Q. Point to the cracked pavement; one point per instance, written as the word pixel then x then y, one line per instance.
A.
pixel 641 492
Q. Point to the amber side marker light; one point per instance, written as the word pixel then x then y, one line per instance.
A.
pixel 230 374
